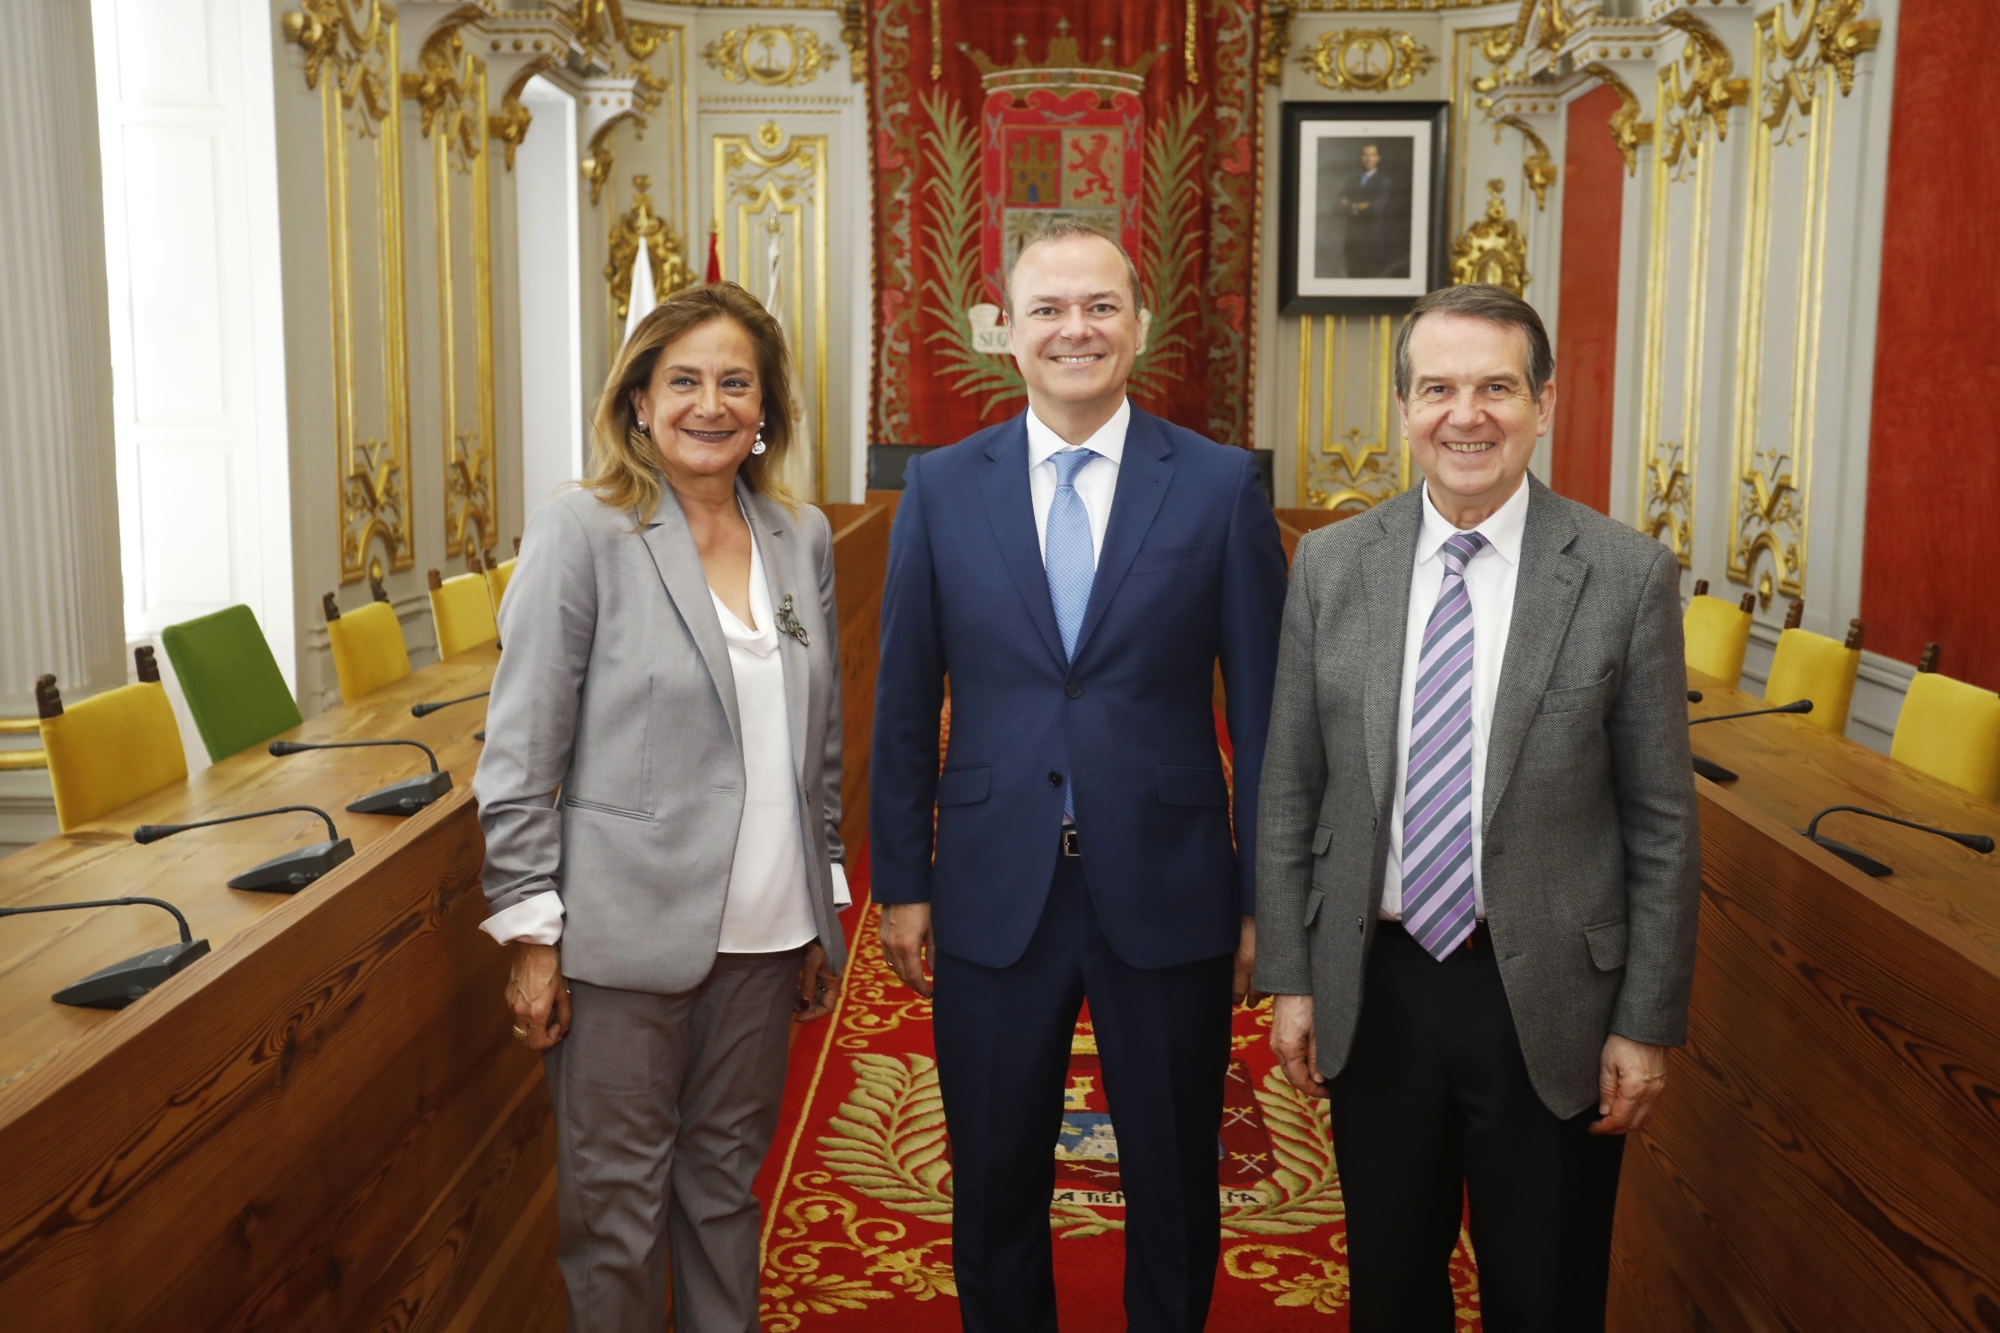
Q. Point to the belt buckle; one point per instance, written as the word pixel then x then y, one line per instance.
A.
pixel 1069 842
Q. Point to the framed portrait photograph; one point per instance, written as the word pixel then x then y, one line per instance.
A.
pixel 1361 206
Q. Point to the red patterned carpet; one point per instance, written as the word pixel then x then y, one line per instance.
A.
pixel 857 1189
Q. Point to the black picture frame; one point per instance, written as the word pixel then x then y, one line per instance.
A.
pixel 1401 256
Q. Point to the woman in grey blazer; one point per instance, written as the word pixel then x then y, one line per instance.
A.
pixel 660 793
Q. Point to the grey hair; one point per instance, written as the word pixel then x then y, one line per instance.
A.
pixel 1480 300
pixel 1066 229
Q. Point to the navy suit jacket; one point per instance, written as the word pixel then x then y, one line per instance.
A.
pixel 1191 573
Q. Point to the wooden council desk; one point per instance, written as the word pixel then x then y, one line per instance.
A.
pixel 1827 1154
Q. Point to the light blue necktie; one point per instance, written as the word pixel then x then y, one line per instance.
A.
pixel 1071 562
pixel 1438 905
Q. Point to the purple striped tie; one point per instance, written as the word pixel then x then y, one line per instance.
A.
pixel 1437 786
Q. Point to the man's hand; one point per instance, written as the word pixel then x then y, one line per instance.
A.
pixel 906 943
pixel 1295 1044
pixel 1246 963
pixel 538 996
pixel 1630 1077
pixel 818 984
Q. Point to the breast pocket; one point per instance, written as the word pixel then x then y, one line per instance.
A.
pixel 1580 698
pixel 1164 559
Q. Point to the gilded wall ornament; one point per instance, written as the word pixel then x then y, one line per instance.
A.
pixel 1696 91
pixel 1277 41
pixel 1538 168
pixel 665 253
pixel 1630 130
pixel 1818 35
pixel 854 36
pixel 1366 60
pixel 1492 249
pixel 770 55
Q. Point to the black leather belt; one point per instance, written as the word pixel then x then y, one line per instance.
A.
pixel 1069 843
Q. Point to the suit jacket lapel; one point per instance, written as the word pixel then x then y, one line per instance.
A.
pixel 786 574
pixel 1386 563
pixel 1545 593
pixel 672 548
pixel 1011 511
pixel 1143 477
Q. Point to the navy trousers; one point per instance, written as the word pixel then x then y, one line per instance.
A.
pixel 1003 1045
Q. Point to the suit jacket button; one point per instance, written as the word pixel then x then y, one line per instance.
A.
pixel 1055 778
pixel 1073 690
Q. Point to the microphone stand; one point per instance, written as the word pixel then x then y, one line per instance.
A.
pixel 398 798
pixel 286 873
pixel 116 986
pixel 1715 772
pixel 1867 864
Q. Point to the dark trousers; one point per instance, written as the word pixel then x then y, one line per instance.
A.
pixel 1003 1045
pixel 1433 1110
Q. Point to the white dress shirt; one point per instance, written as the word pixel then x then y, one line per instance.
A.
pixel 1096 481
pixel 1490 577
pixel 767 909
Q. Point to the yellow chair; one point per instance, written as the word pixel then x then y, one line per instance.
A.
pixel 1717 634
pixel 462 610
pixel 1950 730
pixel 368 650
pixel 496 580
pixel 1812 666
pixel 112 748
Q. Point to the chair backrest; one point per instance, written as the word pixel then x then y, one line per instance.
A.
pixel 112 748
pixel 1812 666
pixel 368 649
pixel 496 581
pixel 462 609
pixel 230 680
pixel 1951 730
pixel 1717 634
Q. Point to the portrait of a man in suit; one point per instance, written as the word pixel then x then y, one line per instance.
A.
pixel 1365 203
pixel 1478 866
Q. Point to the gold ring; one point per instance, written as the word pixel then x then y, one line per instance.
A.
pixel 520 1031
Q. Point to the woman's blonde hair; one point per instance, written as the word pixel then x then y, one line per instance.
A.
pixel 624 464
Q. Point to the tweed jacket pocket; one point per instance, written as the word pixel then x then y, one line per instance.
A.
pixel 1579 697
pixel 1607 944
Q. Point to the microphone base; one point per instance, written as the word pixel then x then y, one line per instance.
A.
pixel 1713 771
pixel 1861 861
pixel 116 986
pixel 479 735
pixel 295 869
pixel 405 797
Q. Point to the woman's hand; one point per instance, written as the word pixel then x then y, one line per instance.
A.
pixel 818 984
pixel 539 996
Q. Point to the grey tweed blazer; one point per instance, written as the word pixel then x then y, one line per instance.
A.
pixel 1591 861
pixel 613 768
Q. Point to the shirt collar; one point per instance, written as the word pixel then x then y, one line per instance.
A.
pixel 1108 442
pixel 1502 528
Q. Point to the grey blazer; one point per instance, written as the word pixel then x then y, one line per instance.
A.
pixel 613 768
pixel 1591 862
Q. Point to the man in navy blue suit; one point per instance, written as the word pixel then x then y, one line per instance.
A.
pixel 1077 573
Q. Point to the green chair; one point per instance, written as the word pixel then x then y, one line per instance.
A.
pixel 230 680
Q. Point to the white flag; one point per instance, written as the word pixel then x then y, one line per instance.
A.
pixel 641 298
pixel 799 471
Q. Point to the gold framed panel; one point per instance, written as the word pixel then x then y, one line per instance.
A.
pixel 351 57
pixel 765 186
pixel 1357 457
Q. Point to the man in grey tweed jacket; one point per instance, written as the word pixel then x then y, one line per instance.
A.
pixel 1477 861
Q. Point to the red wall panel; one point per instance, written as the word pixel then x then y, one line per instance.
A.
pixel 1593 198
pixel 1928 568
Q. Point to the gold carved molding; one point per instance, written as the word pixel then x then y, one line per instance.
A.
pixel 1538 168
pixel 1696 91
pixel 1493 249
pixel 1630 130
pixel 1366 60
pixel 1277 41
pixel 771 218
pixel 776 55
pixel 665 253
pixel 1801 50
pixel 854 36
pixel 1359 458
pixel 351 60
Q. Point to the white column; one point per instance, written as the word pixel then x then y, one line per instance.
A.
pixel 61 596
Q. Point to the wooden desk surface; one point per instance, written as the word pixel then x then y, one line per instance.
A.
pixel 41 954
pixel 1791 769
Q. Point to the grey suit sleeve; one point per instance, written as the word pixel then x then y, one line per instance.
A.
pixel 1657 813
pixel 548 624
pixel 829 605
pixel 1289 793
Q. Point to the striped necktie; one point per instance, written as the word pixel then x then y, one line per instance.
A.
pixel 1437 786
pixel 1071 562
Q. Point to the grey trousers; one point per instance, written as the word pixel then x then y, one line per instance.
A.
pixel 664 1107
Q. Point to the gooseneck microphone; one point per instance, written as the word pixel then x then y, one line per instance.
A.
pixel 116 986
pixel 1715 772
pixel 281 874
pixel 398 798
pixel 425 710
pixel 1867 864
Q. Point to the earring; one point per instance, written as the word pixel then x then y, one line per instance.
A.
pixel 758 446
pixel 645 430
